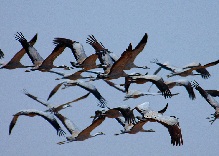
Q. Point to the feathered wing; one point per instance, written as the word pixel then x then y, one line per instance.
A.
pixel 174 131
pixel 213 93
pixel 30 50
pixel 207 96
pixel 85 134
pixel 69 125
pixel 190 91
pixel 103 54
pixel 139 48
pixel 91 88
pixel 31 113
pixel 47 64
pixel 15 61
pixel 55 89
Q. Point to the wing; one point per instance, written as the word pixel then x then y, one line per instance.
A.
pixel 86 132
pixel 30 50
pixel 122 89
pixel 175 133
pixel 90 62
pixel 35 98
pixel 122 62
pixel 15 61
pixel 69 125
pixel 62 106
pixel 31 113
pixel 91 88
pixel 48 62
pixel 55 89
pixel 190 91
pixel 139 48
pixel 213 93
pixel 207 96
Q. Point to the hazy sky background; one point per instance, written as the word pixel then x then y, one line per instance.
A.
pixel 180 32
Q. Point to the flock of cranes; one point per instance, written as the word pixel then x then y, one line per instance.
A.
pixel 112 67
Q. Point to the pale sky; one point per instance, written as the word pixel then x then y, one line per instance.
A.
pixel 180 32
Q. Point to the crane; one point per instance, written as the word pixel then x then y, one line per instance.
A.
pixel 51 108
pixel 141 79
pixel 170 122
pixel 188 69
pixel 83 84
pixel 31 113
pixel 182 82
pixel 76 133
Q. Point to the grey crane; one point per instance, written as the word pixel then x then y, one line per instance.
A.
pixel 76 133
pixel 131 93
pixel 170 122
pixel 182 82
pixel 83 84
pixel 188 69
pixel 52 108
pixel 32 113
pixel 141 79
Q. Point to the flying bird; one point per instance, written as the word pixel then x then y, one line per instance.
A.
pixel 76 133
pixel 188 69
pixel 209 99
pixel 83 84
pixel 170 122
pixel 182 82
pixel 31 113
pixel 52 108
pixel 133 128
pixel 83 61
pixel 131 93
pixel 15 61
pixel 141 79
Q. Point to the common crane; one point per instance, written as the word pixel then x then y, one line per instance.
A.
pixel 83 84
pixel 170 122
pixel 188 69
pixel 76 133
pixel 141 79
pixel 182 82
pixel 52 108
pixel 131 93
pixel 31 113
